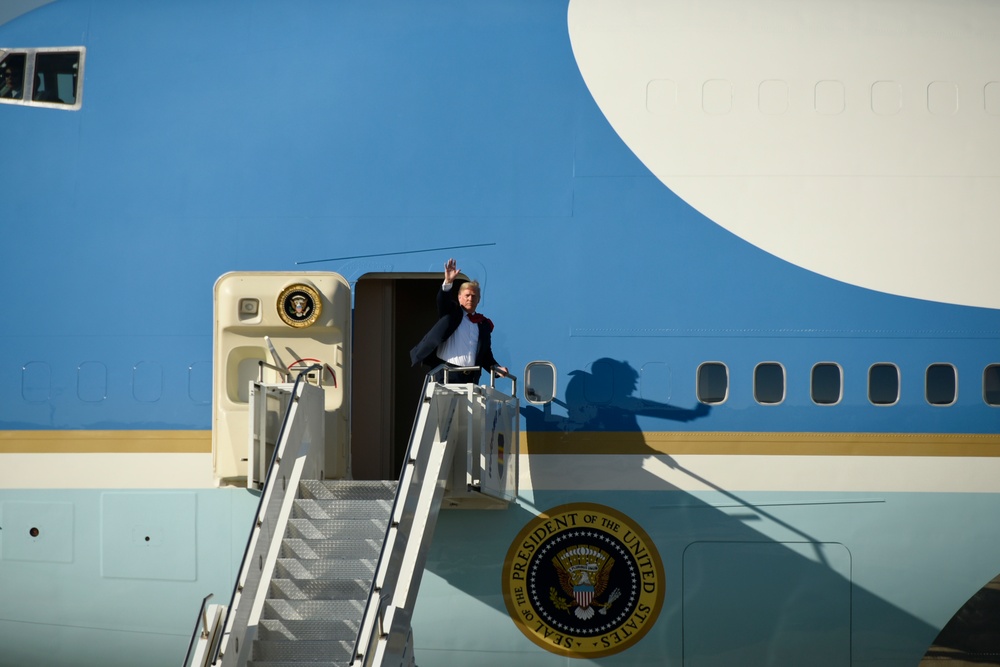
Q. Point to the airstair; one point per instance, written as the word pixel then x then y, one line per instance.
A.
pixel 332 567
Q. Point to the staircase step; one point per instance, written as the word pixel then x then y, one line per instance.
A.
pixel 304 610
pixel 319 589
pixel 322 548
pixel 362 529
pixel 292 568
pixel 303 651
pixel 307 508
pixel 323 574
pixel 347 490
pixel 281 630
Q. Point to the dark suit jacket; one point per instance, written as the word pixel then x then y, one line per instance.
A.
pixel 450 315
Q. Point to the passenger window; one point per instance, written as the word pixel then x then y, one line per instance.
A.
pixel 883 384
pixel 769 383
pixel 539 382
pixel 826 385
pixel 941 384
pixel 991 384
pixel 712 383
pixel 12 73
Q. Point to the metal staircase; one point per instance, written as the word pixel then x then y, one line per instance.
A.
pixel 323 574
pixel 332 567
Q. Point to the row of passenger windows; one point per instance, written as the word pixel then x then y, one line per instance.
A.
pixel 826 384
pixel 776 97
pixel 49 77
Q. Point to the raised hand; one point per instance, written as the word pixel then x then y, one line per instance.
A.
pixel 450 271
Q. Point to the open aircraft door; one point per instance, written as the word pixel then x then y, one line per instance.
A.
pixel 269 326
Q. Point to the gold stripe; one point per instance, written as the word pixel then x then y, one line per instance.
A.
pixel 764 444
pixel 541 443
pixel 105 442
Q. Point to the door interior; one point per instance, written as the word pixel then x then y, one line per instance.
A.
pixel 391 313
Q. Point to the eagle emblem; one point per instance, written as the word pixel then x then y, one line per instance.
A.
pixel 584 572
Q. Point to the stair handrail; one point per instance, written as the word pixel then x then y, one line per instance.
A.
pixel 378 598
pixel 494 371
pixel 202 620
pixel 279 450
pixel 494 374
pixel 374 610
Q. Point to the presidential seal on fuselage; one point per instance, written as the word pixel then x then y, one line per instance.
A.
pixel 299 305
pixel 583 580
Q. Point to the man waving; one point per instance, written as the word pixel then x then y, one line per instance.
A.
pixel 461 336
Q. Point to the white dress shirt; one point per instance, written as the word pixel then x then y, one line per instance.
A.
pixel 460 348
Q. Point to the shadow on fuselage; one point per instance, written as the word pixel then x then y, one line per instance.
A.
pixel 750 578
pixel 603 400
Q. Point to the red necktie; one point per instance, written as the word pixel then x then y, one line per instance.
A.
pixel 476 318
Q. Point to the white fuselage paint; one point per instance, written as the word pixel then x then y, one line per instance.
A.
pixel 894 184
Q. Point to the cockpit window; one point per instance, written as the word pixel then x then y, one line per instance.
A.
pixel 12 68
pixel 55 77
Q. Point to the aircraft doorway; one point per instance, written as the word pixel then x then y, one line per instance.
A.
pixel 391 314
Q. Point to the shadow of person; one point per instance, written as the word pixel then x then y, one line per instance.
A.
pixel 603 400
pixel 605 452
